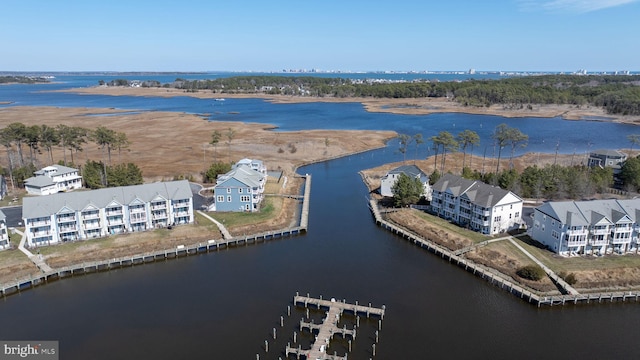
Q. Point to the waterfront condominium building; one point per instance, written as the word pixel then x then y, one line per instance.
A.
pixel 588 227
pixel 473 204
pixel 389 180
pixel 90 214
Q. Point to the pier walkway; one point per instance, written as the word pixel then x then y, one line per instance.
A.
pixel 223 230
pixel 329 326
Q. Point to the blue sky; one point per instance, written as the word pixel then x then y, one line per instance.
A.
pixel 347 35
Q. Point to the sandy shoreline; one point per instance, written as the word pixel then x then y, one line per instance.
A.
pixel 412 106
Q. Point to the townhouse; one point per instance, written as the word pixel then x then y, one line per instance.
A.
pixel 91 214
pixel 587 227
pixel 478 206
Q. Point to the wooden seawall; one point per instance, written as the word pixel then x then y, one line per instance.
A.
pixel 496 278
pixel 172 253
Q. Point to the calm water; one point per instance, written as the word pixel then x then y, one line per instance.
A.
pixel 223 305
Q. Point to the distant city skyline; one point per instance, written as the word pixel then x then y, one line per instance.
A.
pixel 332 36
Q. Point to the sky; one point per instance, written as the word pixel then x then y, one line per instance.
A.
pixel 327 35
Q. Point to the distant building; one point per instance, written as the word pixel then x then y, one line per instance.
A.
pixel 480 207
pixel 587 227
pixel 607 158
pixel 53 179
pixel 90 214
pixel 388 181
pixel 4 235
pixel 242 188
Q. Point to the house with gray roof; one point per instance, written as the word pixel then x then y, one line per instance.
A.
pixel 53 179
pixel 91 214
pixel 388 181
pixel 588 227
pixel 4 235
pixel 607 158
pixel 242 188
pixel 478 206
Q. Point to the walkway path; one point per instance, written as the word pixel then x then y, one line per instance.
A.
pixel 36 259
pixel 568 288
pixel 225 233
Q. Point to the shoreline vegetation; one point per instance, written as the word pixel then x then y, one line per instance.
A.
pixel 170 159
pixel 404 106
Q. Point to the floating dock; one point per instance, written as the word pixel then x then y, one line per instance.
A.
pixel 329 326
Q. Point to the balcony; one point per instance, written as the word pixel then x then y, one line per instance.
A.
pixel 66 219
pixel 39 223
pixel 92 225
pixel 138 220
pixel 599 231
pixel 113 212
pixel 159 206
pixel 88 216
pixel 137 210
pixel 118 221
pixel 40 233
pixel 576 243
pixel 576 232
pixel 67 229
pixel 157 216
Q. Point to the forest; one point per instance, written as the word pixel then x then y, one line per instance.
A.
pixel 617 94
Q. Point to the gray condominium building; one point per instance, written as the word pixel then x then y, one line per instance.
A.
pixel 91 214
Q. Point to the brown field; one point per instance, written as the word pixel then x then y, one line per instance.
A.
pixel 166 145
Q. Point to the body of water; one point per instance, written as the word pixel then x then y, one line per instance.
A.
pixel 223 305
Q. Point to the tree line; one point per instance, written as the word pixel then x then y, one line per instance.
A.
pixel 550 182
pixel 615 93
pixel 24 143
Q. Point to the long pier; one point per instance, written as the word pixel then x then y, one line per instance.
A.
pixel 329 326
pixel 108 264
pixel 499 279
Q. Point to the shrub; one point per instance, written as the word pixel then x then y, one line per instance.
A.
pixel 531 272
pixel 569 278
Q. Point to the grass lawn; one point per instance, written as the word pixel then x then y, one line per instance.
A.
pixel 578 263
pixel 270 206
pixel 444 224
pixel 13 256
pixel 508 249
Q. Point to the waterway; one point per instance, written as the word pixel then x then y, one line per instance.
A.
pixel 224 305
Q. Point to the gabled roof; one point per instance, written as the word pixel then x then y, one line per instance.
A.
pixel 244 174
pixel 593 212
pixel 456 185
pixel 34 207
pixel 607 153
pixel 39 182
pixel 477 192
pixel 409 170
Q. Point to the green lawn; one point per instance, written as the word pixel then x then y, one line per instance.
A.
pixel 472 235
pixel 231 219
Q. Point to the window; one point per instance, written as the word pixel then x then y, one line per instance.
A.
pixel 239 190
pixel 510 206
pixel 510 216
pixel 517 214
pixel 229 199
pixel 228 190
pixel 247 207
pixel 220 198
pixel 497 218
pixel 245 198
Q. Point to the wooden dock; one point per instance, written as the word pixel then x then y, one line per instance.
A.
pixel 329 326
pixel 212 245
pixel 497 278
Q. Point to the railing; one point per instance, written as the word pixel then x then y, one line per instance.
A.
pixel 90 216
pixel 66 219
pixel 114 212
pixel 38 223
